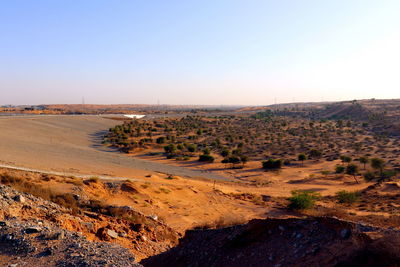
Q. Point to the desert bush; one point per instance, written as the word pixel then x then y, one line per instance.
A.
pixel 377 164
pixel 302 157
pixel 315 153
pixel 160 140
pixel 339 169
pixel 225 152
pixel 345 159
pixel 364 160
pixel 244 159
pixel 369 176
pixel 271 164
pixel 192 148
pixel 206 158
pixel 171 148
pixel 233 160
pixel 302 200
pixel 344 196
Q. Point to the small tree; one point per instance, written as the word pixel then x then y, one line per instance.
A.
pixel 160 140
pixel 271 164
pixel 378 164
pixel 244 159
pixel 192 148
pixel 339 169
pixel 170 149
pixel 233 160
pixel 345 159
pixel 315 153
pixel 302 157
pixel 206 158
pixel 225 153
pixel 352 169
pixel 364 160
pixel 206 151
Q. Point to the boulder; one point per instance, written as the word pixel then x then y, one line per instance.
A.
pixel 112 233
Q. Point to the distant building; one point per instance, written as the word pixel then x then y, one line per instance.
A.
pixel 134 116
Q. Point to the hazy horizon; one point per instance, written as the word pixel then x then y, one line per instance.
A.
pixel 198 53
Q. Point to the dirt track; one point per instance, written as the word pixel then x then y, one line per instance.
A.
pixel 71 144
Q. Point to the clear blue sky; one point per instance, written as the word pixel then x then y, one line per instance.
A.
pixel 198 52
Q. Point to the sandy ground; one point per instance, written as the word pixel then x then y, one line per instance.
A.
pixel 72 144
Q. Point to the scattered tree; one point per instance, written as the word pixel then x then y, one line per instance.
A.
pixel 378 164
pixel 364 160
pixel 352 169
pixel 302 157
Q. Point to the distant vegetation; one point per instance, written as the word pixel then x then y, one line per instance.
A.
pixel 273 138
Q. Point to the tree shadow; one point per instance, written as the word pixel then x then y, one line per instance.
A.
pixel 96 140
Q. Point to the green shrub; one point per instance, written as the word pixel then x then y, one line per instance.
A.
pixel 369 176
pixel 339 169
pixel 160 140
pixel 302 157
pixel 271 164
pixel 315 153
pixel 225 152
pixel 344 196
pixel 171 148
pixel 302 200
pixel 180 147
pixel 192 148
pixel 206 158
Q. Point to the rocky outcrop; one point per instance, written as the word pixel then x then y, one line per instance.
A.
pixel 283 242
pixel 36 244
pixel 30 235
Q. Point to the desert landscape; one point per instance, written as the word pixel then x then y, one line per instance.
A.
pixel 112 174
pixel 200 133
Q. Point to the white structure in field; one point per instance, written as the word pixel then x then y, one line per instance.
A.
pixel 134 116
